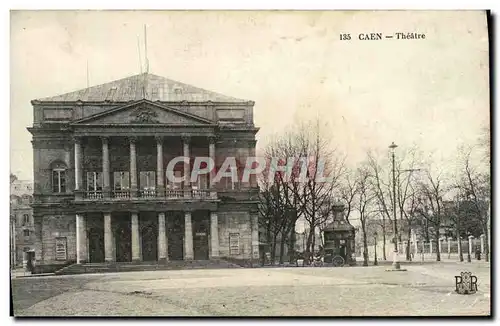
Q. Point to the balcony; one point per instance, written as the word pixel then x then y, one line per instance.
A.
pixel 150 194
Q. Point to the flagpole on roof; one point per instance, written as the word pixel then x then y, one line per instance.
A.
pixel 139 50
pixel 88 84
pixel 144 84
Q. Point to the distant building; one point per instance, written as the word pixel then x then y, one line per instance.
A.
pixel 22 229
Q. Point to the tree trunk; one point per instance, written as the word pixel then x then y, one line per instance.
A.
pixel 313 240
pixel 282 247
pixel 486 244
pixel 408 245
pixel 365 244
pixel 308 246
pixel 438 253
pixel 459 241
pixel 273 249
pixel 383 243
pixel 291 244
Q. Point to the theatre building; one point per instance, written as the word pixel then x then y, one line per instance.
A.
pixel 101 192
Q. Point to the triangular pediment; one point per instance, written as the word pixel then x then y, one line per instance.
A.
pixel 144 112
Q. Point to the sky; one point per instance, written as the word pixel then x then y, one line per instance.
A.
pixel 432 93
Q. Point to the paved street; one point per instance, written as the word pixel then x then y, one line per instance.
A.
pixel 360 291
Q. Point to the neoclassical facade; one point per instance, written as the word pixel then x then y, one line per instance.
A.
pixel 101 191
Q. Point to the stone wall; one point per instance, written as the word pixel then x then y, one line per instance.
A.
pixel 54 227
pixel 235 223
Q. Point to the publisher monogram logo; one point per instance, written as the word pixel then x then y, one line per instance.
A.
pixel 466 283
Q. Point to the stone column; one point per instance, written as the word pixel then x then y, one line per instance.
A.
pixel 78 164
pixel 440 245
pixel 470 244
pixel 81 239
pixel 482 244
pixel 255 235
pixel 160 185
pixel 105 167
pixel 162 238
pixel 415 242
pixel 214 235
pixel 253 176
pixel 108 238
pixel 188 237
pixel 449 246
pixel 430 247
pixel 211 154
pixel 133 167
pixel 136 249
pixel 187 167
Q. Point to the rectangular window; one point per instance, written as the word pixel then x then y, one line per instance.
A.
pixel 121 180
pixel 231 183
pixel 147 180
pixel 26 219
pixel 58 180
pixel 26 233
pixel 234 243
pixel 201 182
pixel 61 252
pixel 94 181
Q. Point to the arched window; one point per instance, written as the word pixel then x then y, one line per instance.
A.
pixel 58 177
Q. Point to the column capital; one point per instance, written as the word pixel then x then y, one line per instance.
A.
pixel 104 139
pixel 132 139
pixel 159 139
pixel 77 139
pixel 186 139
pixel 212 139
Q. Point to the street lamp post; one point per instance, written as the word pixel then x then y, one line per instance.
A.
pixel 375 247
pixel 395 263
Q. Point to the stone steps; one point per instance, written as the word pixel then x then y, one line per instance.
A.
pixel 143 266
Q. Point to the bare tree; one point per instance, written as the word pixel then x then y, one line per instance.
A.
pixel 475 186
pixel 430 205
pixel 322 176
pixel 363 201
pixel 381 186
pixel 347 190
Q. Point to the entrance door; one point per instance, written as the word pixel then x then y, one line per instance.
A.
pixel 123 238
pixel 96 245
pixel 149 243
pixel 200 236
pixel 175 235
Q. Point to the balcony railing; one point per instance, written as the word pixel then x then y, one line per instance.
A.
pixel 200 194
pixel 152 193
pixel 174 194
pixel 121 194
pixel 93 194
pixel 147 193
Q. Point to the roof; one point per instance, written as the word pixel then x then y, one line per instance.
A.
pixel 341 225
pixel 131 88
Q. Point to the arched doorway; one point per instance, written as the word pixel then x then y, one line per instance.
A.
pixel 149 235
pixel 96 245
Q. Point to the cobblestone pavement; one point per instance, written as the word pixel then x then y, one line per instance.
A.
pixel 356 291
